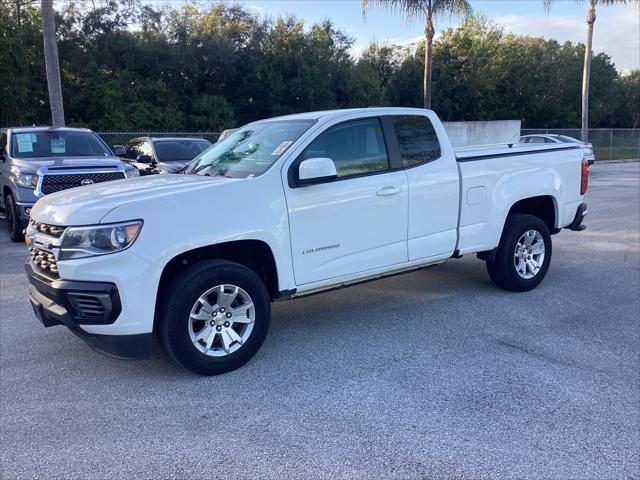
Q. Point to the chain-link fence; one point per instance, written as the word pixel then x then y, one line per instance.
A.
pixel 120 138
pixel 608 143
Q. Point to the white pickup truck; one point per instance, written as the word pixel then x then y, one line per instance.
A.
pixel 287 207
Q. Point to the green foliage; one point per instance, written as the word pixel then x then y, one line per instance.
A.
pixel 211 113
pixel 132 66
pixel 481 73
pixel 626 99
pixel 22 75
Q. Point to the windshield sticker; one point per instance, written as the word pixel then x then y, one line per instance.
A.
pixel 24 142
pixel 281 148
pixel 57 145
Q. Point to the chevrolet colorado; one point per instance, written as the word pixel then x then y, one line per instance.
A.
pixel 287 207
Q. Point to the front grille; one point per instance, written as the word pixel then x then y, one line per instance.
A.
pixel 57 183
pixel 45 262
pixel 53 230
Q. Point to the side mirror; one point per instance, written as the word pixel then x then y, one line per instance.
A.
pixel 119 150
pixel 144 159
pixel 316 170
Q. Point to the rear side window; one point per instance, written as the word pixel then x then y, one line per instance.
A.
pixel 356 147
pixel 3 143
pixel 417 139
pixel 565 139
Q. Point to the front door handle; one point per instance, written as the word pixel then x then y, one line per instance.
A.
pixel 388 191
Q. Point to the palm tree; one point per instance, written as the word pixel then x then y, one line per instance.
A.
pixel 52 63
pixel 588 54
pixel 429 9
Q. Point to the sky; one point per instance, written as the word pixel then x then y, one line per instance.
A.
pixel 617 28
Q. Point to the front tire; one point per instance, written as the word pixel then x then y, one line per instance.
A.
pixel 215 317
pixel 14 225
pixel 523 255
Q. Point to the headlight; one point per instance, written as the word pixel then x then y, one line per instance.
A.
pixel 26 180
pixel 131 172
pixel 83 242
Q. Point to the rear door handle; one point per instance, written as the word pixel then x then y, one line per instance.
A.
pixel 388 191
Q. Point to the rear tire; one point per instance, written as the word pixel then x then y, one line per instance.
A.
pixel 523 255
pixel 215 317
pixel 14 225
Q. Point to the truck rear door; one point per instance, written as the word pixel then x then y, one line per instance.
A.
pixel 433 182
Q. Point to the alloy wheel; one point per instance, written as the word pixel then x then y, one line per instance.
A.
pixel 529 254
pixel 221 320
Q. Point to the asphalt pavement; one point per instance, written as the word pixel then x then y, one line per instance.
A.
pixel 433 374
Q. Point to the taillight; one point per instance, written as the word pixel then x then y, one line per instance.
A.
pixel 584 179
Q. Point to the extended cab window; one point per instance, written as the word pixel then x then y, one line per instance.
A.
pixel 356 147
pixel 417 139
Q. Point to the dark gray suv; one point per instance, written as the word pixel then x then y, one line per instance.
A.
pixel 35 161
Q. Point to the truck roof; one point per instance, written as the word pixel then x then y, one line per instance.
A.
pixel 326 114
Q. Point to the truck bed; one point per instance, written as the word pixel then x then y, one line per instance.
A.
pixel 493 179
pixel 480 152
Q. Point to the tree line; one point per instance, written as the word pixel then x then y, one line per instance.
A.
pixel 132 66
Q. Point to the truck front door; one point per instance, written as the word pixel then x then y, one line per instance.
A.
pixel 357 222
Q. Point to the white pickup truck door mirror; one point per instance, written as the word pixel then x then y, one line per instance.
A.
pixel 316 170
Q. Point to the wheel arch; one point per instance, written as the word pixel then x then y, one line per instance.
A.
pixel 544 207
pixel 256 255
pixel 6 191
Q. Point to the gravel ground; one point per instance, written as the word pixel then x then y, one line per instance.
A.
pixel 434 374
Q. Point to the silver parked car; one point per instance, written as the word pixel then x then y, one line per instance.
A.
pixel 587 148
pixel 36 161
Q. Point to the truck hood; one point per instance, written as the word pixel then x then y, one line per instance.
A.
pixel 89 204
pixel 32 165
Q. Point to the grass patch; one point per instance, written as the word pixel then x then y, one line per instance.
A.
pixel 616 153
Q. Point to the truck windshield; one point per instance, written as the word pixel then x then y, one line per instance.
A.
pixel 57 144
pixel 249 151
pixel 180 150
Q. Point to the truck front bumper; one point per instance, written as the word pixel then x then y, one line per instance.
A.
pixel 73 303
pixel 24 209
